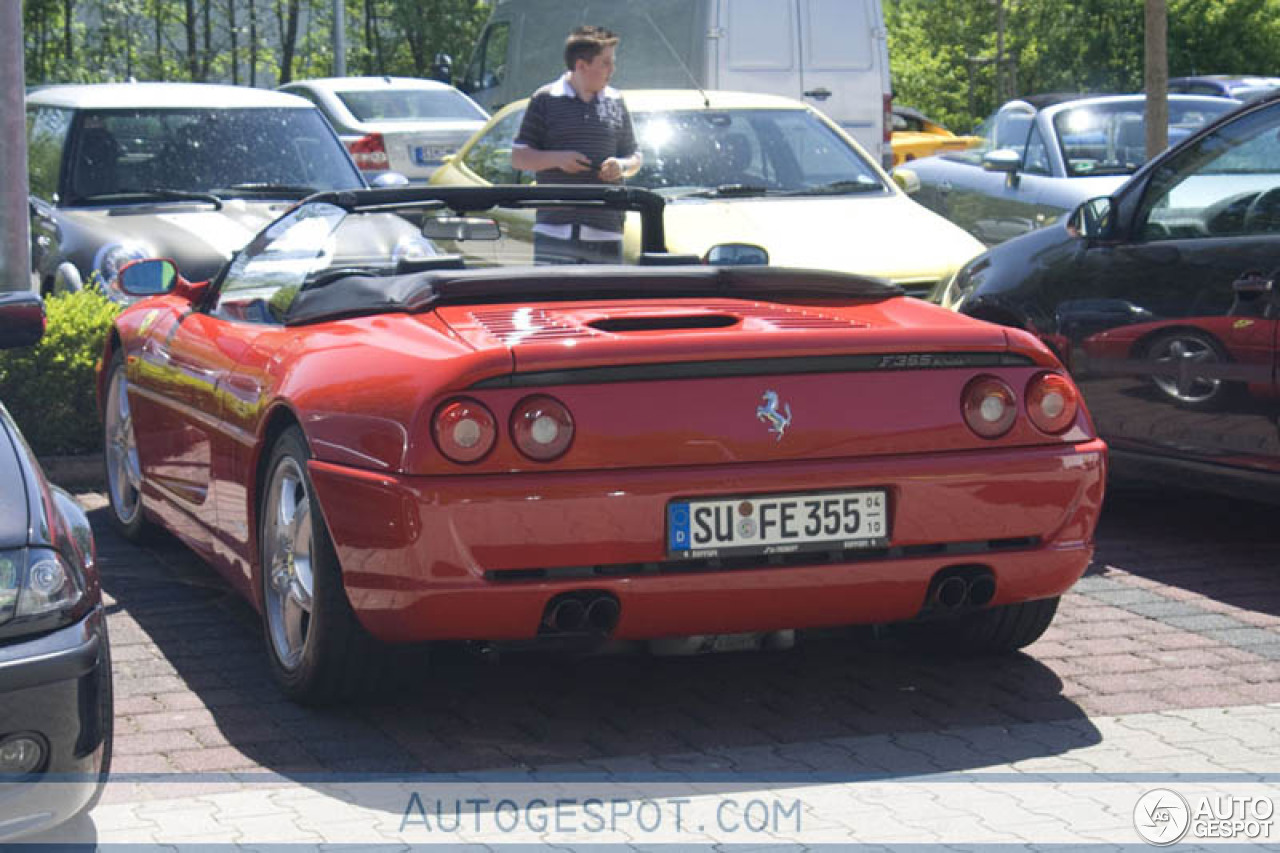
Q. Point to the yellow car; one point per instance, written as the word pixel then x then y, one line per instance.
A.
pixel 755 169
pixel 915 136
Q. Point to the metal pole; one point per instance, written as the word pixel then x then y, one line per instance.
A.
pixel 339 38
pixel 15 226
pixel 1157 76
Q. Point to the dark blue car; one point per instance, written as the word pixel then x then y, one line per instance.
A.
pixel 55 662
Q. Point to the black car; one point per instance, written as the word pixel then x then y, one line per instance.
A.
pixel 1162 300
pixel 55 661
pixel 122 171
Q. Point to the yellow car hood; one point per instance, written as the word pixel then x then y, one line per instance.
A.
pixel 888 236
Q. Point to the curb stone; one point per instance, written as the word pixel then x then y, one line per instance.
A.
pixel 83 473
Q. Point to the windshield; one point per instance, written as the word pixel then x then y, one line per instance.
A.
pixel 747 152
pixel 411 105
pixel 228 152
pixel 1110 139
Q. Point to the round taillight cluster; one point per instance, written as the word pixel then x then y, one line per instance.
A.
pixel 541 428
pixel 989 406
pixel 466 430
pixel 1052 402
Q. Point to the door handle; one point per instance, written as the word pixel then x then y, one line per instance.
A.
pixel 821 93
pixel 944 186
pixel 1252 283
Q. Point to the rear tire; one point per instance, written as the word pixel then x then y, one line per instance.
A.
pixel 318 651
pixel 993 631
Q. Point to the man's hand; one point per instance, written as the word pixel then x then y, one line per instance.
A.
pixel 571 162
pixel 616 168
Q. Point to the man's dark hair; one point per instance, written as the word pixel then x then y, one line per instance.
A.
pixel 586 43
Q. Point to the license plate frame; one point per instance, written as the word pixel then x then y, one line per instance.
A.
pixel 428 155
pixel 690 520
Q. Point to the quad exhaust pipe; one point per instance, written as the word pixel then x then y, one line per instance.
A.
pixel 588 612
pixel 960 587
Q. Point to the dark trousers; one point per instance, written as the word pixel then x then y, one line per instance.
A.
pixel 552 250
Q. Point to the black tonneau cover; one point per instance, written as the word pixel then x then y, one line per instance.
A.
pixel 356 295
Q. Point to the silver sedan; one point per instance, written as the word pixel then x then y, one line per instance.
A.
pixel 1042 156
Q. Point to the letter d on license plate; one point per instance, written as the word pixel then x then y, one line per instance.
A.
pixel 777 524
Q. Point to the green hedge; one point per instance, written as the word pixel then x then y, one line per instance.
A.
pixel 49 388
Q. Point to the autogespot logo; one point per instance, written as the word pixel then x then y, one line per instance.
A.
pixel 1161 816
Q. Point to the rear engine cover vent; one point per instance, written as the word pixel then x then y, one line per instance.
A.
pixel 794 318
pixel 529 324
pixel 663 324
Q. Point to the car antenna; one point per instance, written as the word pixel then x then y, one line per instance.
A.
pixel 706 102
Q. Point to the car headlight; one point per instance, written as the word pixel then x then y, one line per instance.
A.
pixel 39 590
pixel 108 262
pixel 962 283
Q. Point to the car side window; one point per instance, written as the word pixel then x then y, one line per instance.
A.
pixel 1035 161
pixel 265 277
pixel 1227 184
pixel 490 157
pixel 46 139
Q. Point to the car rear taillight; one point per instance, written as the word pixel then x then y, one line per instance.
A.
pixel 989 406
pixel 541 428
pixel 888 117
pixel 1052 402
pixel 369 152
pixel 464 429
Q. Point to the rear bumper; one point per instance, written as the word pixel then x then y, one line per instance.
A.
pixel 479 557
pixel 57 687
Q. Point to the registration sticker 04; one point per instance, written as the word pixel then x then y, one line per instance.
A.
pixel 777 524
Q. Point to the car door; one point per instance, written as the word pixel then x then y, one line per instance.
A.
pixel 1176 330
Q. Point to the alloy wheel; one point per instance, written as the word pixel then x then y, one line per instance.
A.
pixel 287 562
pixel 124 474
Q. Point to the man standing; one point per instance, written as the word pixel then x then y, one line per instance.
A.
pixel 578 131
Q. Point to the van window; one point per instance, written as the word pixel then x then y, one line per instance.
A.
pixel 761 35
pixel 489 63
pixel 46 135
pixel 827 33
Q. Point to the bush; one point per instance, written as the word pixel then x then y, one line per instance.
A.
pixel 49 388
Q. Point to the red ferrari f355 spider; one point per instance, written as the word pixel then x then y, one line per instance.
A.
pixel 382 430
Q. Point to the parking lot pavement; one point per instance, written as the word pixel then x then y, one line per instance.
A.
pixel 1163 659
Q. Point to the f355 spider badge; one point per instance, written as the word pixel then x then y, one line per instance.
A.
pixel 778 418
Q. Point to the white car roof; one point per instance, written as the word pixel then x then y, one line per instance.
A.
pixel 163 96
pixel 366 84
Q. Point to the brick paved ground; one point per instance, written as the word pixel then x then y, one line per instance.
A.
pixel 1181 611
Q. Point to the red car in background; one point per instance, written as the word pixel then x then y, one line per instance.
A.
pixel 382 432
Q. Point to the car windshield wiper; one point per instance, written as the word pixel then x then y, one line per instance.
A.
pixel 837 188
pixel 728 191
pixel 160 193
pixel 253 188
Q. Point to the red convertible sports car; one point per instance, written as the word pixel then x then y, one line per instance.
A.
pixel 379 442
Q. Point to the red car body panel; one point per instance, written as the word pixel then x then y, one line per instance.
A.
pixel 424 542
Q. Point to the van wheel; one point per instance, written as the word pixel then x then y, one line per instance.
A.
pixel 319 652
pixel 995 630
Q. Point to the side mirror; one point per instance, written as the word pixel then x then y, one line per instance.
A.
pixel 21 319
pixel 389 179
pixel 459 228
pixel 148 277
pixel 1091 220
pixel 736 254
pixel 1002 160
pixel 907 181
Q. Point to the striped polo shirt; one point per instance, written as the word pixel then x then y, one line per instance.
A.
pixel 558 120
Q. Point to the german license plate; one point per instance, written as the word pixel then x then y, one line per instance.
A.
pixel 777 524
pixel 425 155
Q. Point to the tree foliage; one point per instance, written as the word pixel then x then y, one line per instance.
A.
pixel 258 42
pixel 947 61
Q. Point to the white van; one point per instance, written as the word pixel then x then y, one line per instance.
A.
pixel 832 54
